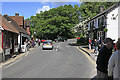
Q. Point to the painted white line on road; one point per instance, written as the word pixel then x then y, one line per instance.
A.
pixel 56 49
pixel 12 63
pixel 26 54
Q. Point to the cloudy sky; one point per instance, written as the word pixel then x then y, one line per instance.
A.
pixel 30 8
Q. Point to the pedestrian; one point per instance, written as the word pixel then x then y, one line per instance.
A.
pixel 78 40
pixel 114 63
pixel 90 43
pixel 99 43
pixel 26 45
pixel 102 43
pixel 33 43
pixel 39 42
pixel 102 59
pixel 96 46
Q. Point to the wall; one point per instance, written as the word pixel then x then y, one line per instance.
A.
pixel 0 47
pixel 119 23
pixel 0 39
pixel 112 25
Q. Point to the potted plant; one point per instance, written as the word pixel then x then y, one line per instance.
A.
pixel 105 29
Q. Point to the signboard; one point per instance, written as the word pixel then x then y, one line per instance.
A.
pixel 7 51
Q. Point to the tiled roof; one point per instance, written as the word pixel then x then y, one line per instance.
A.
pixel 7 26
pixel 19 19
pixel 14 23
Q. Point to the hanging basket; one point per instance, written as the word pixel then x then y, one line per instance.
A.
pixel 105 29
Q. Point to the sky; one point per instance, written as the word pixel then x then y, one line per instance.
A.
pixel 28 9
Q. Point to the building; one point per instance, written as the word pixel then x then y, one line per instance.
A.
pixel 9 37
pixel 105 24
pixel 18 22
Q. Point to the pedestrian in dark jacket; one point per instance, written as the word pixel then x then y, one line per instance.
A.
pixel 103 58
pixel 96 46
pixel 99 43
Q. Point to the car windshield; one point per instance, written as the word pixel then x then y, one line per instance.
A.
pixel 46 42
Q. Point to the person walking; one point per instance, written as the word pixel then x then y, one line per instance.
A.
pixel 90 43
pixel 96 46
pixel 99 43
pixel 39 42
pixel 102 59
pixel 26 45
pixel 114 63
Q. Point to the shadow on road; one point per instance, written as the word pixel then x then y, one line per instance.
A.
pixel 75 44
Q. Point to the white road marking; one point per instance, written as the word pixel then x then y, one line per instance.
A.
pixel 56 49
pixel 26 54
pixel 12 63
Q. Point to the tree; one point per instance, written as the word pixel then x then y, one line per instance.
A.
pixel 56 21
pixel 90 9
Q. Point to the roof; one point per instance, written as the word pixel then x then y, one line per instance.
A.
pixel 14 23
pixel 106 11
pixel 19 19
pixel 7 26
pixel 27 23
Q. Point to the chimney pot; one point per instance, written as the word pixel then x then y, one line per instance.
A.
pixel 16 14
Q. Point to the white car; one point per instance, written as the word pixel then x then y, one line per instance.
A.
pixel 47 45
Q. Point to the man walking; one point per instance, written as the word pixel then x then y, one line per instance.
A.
pixel 103 57
pixel 114 63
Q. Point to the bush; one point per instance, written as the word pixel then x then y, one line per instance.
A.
pixel 82 41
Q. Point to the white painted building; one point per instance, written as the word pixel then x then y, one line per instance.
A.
pixel 107 19
pixel 112 24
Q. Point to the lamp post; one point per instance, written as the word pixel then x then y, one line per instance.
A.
pixel 35 35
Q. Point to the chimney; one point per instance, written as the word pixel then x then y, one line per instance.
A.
pixel 101 9
pixel 16 14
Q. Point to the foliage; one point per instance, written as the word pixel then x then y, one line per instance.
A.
pixel 105 29
pixel 90 9
pixel 61 20
pixel 56 21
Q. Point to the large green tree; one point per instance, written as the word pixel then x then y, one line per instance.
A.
pixel 56 21
pixel 90 9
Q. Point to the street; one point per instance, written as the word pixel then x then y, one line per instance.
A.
pixel 64 61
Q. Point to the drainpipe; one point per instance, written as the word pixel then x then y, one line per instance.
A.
pixel 2 40
pixel 3 54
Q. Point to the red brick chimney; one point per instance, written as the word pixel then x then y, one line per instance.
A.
pixel 16 14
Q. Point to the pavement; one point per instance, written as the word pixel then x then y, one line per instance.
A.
pixel 89 52
pixel 15 57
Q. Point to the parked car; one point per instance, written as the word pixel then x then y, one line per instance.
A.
pixel 60 39
pixel 49 41
pixel 47 45
pixel 43 40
